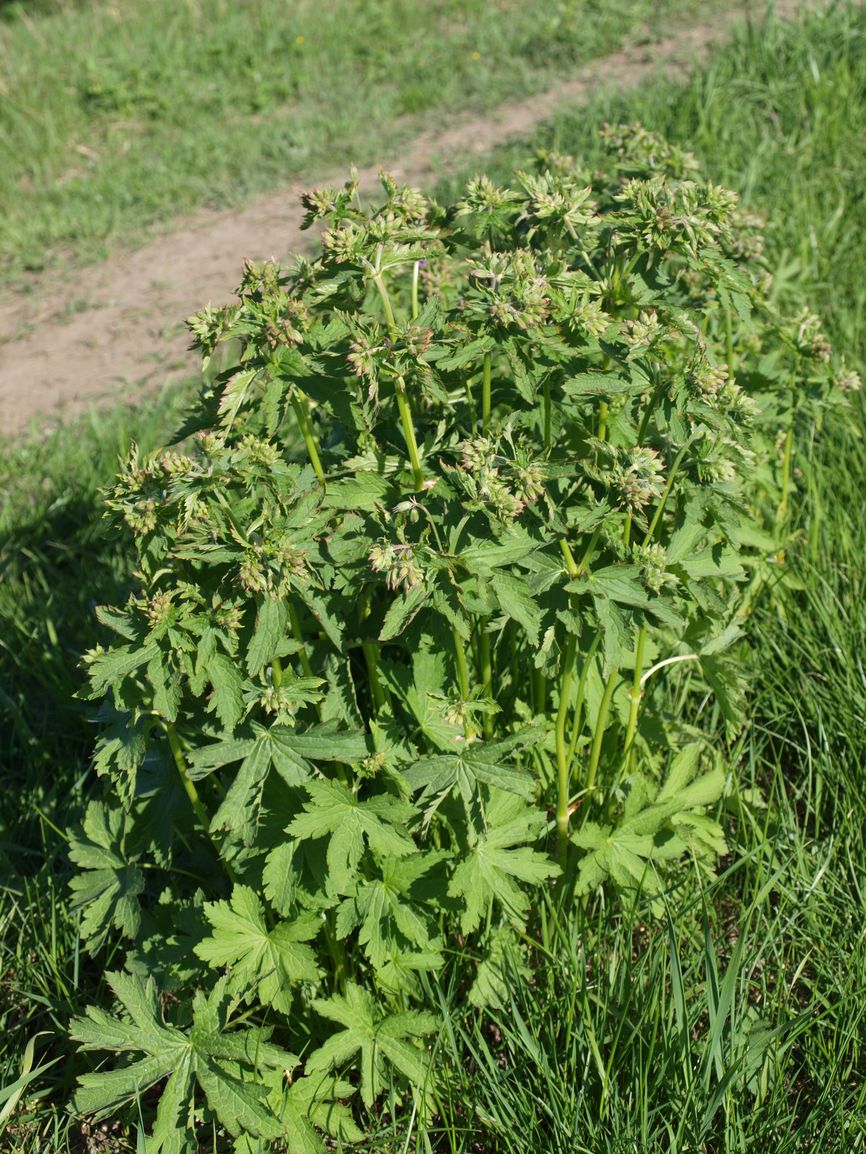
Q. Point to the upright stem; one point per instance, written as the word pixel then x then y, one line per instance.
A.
pixel 600 726
pixel 486 662
pixel 602 421
pixel 636 694
pixel 729 339
pixel 667 489
pixel 409 433
pixel 416 269
pixel 581 691
pixel 470 400
pixel 400 388
pixel 548 415
pixel 782 511
pixel 371 657
pixel 192 793
pixel 303 656
pixel 462 676
pixel 563 761
pixel 299 404
pixel 485 394
pixel 390 320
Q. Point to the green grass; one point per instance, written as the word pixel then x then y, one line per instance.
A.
pixel 116 118
pixel 56 563
pixel 734 1023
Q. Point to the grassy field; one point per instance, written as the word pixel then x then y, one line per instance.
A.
pixel 737 1022
pixel 116 118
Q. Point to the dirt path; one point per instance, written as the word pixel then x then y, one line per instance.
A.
pixel 115 329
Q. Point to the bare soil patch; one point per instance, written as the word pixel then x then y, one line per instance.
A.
pixel 114 330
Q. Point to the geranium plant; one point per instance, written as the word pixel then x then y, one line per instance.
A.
pixel 457 531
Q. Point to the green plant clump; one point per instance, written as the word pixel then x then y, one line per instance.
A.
pixel 436 622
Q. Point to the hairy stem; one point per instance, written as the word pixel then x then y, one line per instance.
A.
pixel 539 691
pixel 563 760
pixel 462 676
pixel 371 656
pixel 299 404
pixel 602 421
pixel 409 433
pixel 660 508
pixel 782 511
pixel 581 692
pixel 192 793
pixel 486 663
pixel 470 400
pixel 381 288
pixel 303 655
pixel 636 694
pixel 485 394
pixel 600 726
pixel 416 270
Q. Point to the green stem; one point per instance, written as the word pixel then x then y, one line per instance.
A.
pixel 299 404
pixel 563 759
pixel 409 433
pixel 563 762
pixel 548 414
pixel 486 662
pixel 337 952
pixel 661 505
pixel 729 339
pixel 416 270
pixel 485 394
pixel 602 421
pixel 461 664
pixel 462 676
pixel 636 695
pixel 390 319
pixel 277 672
pixel 782 511
pixel 192 793
pixel 371 657
pixel 575 571
pixel 581 691
pixel 600 726
pixel 473 425
pixel 303 656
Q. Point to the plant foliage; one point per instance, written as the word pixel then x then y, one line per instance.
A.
pixel 465 517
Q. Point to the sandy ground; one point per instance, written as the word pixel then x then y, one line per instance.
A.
pixel 126 334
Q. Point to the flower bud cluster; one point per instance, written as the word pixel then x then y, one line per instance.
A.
pixel 398 563
pixel 636 478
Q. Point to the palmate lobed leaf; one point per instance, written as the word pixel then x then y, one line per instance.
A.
pixel 333 812
pixel 231 1068
pixel 109 888
pixel 499 858
pixel 463 773
pixel 384 910
pixel 379 1039
pixel 260 962
pixel 657 825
